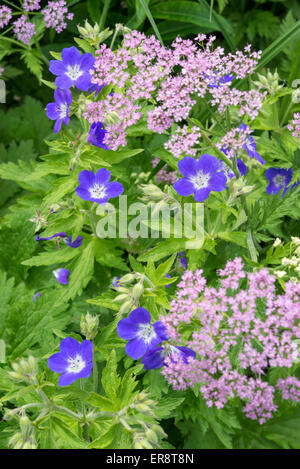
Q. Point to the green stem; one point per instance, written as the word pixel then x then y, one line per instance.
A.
pixel 64 410
pixel 95 373
pixel 12 5
pixel 104 14
pixel 92 219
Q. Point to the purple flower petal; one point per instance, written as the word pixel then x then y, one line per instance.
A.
pixel 69 347
pixel 207 163
pixel 217 182
pixel 136 348
pixel 153 359
pixel 86 178
pixel 83 82
pixel 188 166
pixel 160 330
pixel 57 363
pixel 184 187
pixel 114 189
pixel 87 62
pixel 86 350
pixel 127 329
pixel 86 371
pixel 67 378
pixel 70 56
pixel 140 316
pixel 63 82
pixel 202 194
pixel 57 67
pixel 57 125
pixel 52 111
pixel 102 176
pixel 83 193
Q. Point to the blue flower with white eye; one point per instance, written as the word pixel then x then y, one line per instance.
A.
pixel 62 276
pixel 278 178
pixel 59 111
pixel 155 358
pixel 96 187
pixel 73 69
pixel 200 177
pixel 142 336
pixel 74 361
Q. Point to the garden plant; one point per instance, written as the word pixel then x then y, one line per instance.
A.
pixel 149 224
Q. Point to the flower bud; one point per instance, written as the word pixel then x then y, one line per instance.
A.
pixel 120 298
pixel 128 278
pixel 152 192
pixel 126 307
pixel 89 326
pixel 137 291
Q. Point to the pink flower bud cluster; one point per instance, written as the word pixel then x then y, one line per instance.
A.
pixel 23 29
pixel 163 175
pixel 183 141
pixel 294 127
pixel 56 14
pixel 166 82
pixel 5 15
pixel 239 335
pixel 30 5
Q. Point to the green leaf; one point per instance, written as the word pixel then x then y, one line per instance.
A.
pixel 164 249
pixel 84 45
pixel 64 254
pixel 110 379
pixel 105 404
pixel 166 405
pixel 33 62
pixel 237 237
pixel 150 18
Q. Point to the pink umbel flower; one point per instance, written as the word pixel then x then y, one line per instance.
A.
pixel 24 30
pixel 56 14
pixel 163 175
pixel 31 5
pixel 144 70
pixel 294 127
pixel 5 15
pixel 290 388
pixel 239 334
pixel 183 141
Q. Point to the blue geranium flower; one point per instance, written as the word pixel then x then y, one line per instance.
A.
pixel 62 276
pixel 96 187
pixel 201 177
pixel 60 110
pixel 74 361
pixel 73 69
pixel 182 259
pixel 250 146
pixel 67 239
pixel 115 282
pixel 141 334
pixel 278 178
pixel 290 188
pixel 155 358
pixel 216 81
pixel 227 170
pixel 96 135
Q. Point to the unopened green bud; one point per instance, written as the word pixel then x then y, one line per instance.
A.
pixel 145 444
pixel 151 436
pixel 128 278
pixel 121 298
pixel 152 192
pixel 89 326
pixel 137 291
pixel 25 425
pixel 126 307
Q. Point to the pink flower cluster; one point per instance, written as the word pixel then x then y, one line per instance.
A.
pixel 23 29
pixel 234 140
pixel 238 334
pixel 290 388
pixel 183 141
pixel 294 127
pixel 5 15
pixel 145 71
pixel 56 14
pixel 30 5
pixel 163 175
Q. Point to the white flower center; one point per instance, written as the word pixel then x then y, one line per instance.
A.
pixel 74 72
pixel 279 180
pixel 146 332
pixel 63 109
pixel 75 364
pixel 201 180
pixel 97 191
pixel 250 144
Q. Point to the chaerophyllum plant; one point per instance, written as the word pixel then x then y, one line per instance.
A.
pixel 146 138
